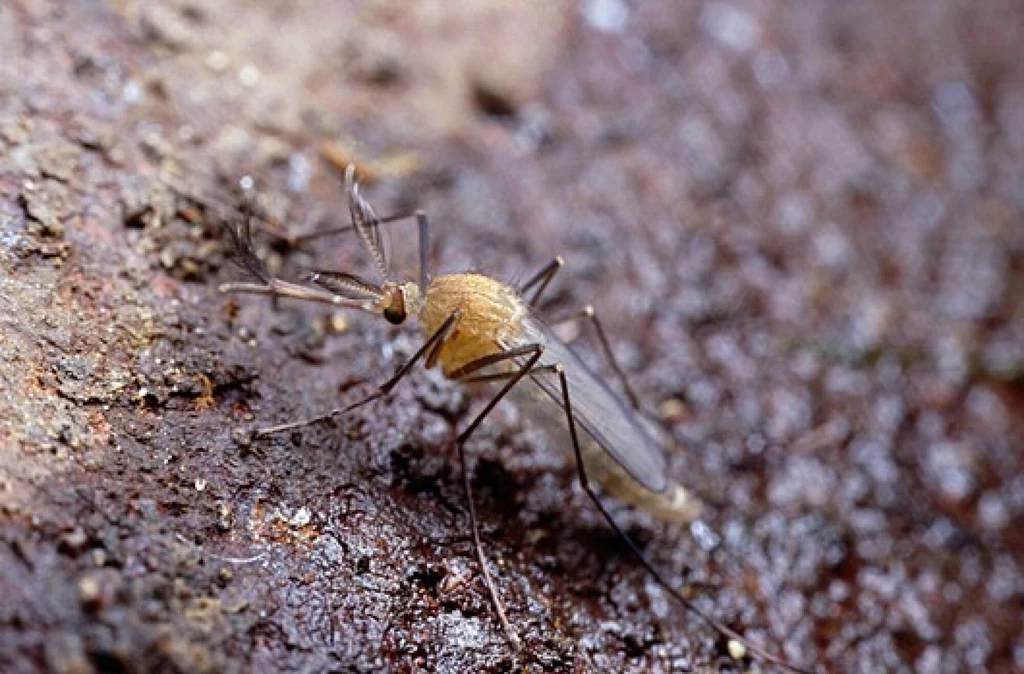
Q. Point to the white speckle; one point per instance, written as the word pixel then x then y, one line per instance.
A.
pixel 737 651
pixel 832 250
pixel 1005 580
pixel 9 239
pixel 331 548
pixel 992 511
pixel 301 518
pixel 186 133
pixel 838 591
pixel 464 631
pixel 724 350
pixel 930 660
pixel 949 466
pixel 735 534
pixel 200 485
pixel 703 393
pixel 984 405
pixel 940 533
pixel 871 321
pixel 609 16
pixel 705 536
pixel 806 365
pixel 790 411
pixel 132 92
pixel 793 213
pixel 805 480
pixel 249 75
pixel 973 636
pixel 888 412
pixel 731 26
pixel 217 61
pixel 916 610
pixel 299 172
pixel 755 443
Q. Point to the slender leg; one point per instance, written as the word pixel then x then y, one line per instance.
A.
pixel 300 239
pixel 588 313
pixel 504 376
pixel 721 628
pixel 534 351
pixel 493 359
pixel 423 225
pixel 435 351
pixel 439 336
pixel 543 278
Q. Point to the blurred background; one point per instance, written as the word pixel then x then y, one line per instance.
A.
pixel 801 223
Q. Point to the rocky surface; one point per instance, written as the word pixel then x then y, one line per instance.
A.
pixel 801 224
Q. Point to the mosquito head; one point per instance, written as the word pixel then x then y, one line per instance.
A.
pixel 398 300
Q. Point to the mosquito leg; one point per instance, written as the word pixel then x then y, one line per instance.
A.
pixel 588 313
pixel 469 368
pixel 481 558
pixel 423 225
pixel 300 239
pixel 721 628
pixel 542 278
pixel 504 376
pixel 533 351
pixel 439 336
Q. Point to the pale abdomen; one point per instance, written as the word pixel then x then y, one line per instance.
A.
pixel 618 453
pixel 673 504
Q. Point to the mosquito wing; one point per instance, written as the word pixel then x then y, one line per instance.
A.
pixel 598 411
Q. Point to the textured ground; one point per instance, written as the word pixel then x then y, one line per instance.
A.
pixel 801 222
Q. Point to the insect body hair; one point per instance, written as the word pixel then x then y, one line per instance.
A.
pixel 491 314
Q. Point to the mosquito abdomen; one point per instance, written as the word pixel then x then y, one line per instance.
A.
pixel 675 505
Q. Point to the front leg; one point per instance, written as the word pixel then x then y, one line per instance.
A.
pixel 532 352
pixel 438 338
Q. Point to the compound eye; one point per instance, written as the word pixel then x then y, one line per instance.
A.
pixel 395 315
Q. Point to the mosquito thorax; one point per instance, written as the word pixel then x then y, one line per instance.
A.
pixel 490 315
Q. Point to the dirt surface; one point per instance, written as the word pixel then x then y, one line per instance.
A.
pixel 800 222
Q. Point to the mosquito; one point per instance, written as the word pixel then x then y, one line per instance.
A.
pixel 480 329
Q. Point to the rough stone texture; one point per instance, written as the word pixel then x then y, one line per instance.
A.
pixel 801 223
